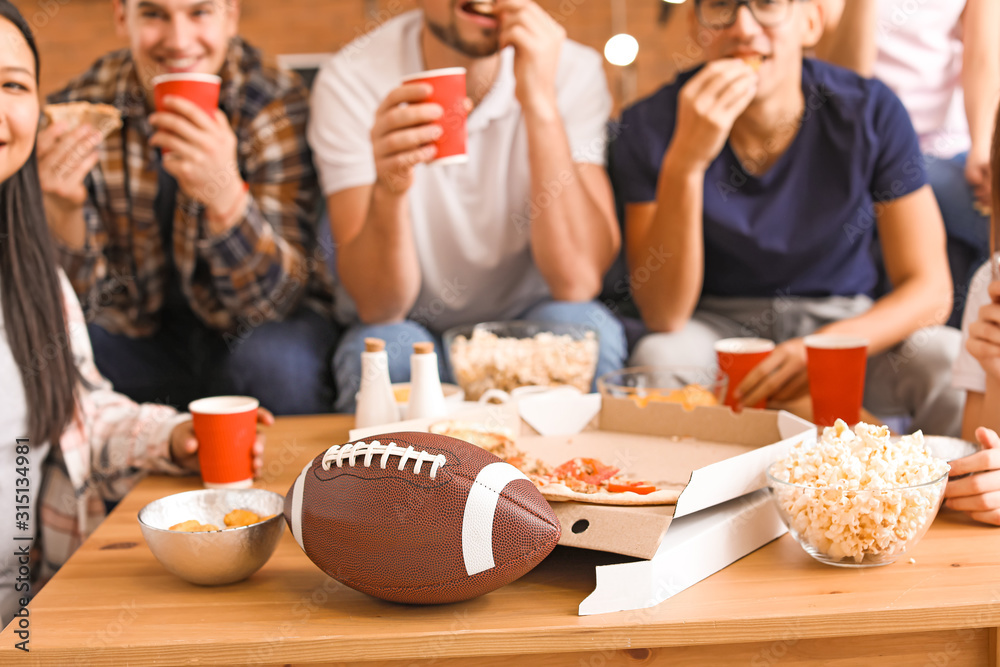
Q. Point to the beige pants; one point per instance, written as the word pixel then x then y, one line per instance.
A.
pixel 912 379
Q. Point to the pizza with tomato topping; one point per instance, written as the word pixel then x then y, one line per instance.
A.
pixel 582 479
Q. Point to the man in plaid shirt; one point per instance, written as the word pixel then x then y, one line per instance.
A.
pixel 198 268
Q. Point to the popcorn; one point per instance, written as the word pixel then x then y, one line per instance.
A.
pixel 486 361
pixel 850 500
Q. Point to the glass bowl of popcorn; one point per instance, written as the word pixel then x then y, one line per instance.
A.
pixel 858 498
pixel 521 353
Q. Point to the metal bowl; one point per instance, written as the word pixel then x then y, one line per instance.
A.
pixel 218 557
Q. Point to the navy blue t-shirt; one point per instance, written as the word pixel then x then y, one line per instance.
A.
pixel 804 228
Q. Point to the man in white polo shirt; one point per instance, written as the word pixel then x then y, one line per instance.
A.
pixel 524 230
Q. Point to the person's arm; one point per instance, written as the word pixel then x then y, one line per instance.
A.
pixel 982 408
pixel 377 258
pixel 124 439
pixel 65 158
pixel 574 236
pixel 258 232
pixel 665 245
pixel 849 35
pixel 912 237
pixel 974 487
pixel 981 86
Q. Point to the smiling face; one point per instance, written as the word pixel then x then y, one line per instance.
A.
pixel 467 26
pixel 175 36
pixel 775 53
pixel 18 100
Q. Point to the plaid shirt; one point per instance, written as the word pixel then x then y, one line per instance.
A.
pixel 260 270
pixel 108 447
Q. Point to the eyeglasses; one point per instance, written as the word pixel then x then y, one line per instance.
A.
pixel 720 14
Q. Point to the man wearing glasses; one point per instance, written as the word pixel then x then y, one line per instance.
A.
pixel 762 178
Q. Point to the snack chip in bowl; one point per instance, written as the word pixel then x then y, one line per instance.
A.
pixel 858 498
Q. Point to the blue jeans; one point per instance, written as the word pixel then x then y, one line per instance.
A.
pixel 968 230
pixel 400 338
pixel 286 365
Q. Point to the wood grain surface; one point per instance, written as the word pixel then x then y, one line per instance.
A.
pixel 113 604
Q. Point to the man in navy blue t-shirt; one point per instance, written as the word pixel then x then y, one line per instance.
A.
pixel 753 188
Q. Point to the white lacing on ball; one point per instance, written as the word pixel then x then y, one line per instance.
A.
pixel 340 452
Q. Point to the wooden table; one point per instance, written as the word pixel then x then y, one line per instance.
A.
pixel 113 604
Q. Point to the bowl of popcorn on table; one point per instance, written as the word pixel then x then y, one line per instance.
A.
pixel 858 498
pixel 522 353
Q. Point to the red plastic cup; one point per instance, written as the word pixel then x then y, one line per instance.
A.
pixel 737 357
pixel 226 428
pixel 449 92
pixel 836 377
pixel 202 89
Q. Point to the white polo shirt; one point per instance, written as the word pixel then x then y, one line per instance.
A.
pixel 470 221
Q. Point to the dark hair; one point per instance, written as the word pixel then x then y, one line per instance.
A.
pixel 995 185
pixel 31 293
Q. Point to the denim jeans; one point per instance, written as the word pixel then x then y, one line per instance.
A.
pixel 400 337
pixel 286 365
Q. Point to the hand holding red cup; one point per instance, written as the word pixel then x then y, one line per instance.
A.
pixel 200 89
pixel 736 358
pixel 226 428
pixel 449 93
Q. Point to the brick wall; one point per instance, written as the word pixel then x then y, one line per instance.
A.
pixel 73 33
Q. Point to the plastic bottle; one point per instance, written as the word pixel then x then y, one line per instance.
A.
pixel 376 403
pixel 426 395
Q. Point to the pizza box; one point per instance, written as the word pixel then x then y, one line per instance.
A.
pixel 720 455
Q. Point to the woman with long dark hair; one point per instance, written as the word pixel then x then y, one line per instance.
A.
pixel 976 491
pixel 68 442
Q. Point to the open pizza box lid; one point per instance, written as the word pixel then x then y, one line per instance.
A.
pixel 721 455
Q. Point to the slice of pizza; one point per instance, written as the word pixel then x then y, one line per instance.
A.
pixel 102 117
pixel 589 471
pixel 581 479
pixel 496 441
